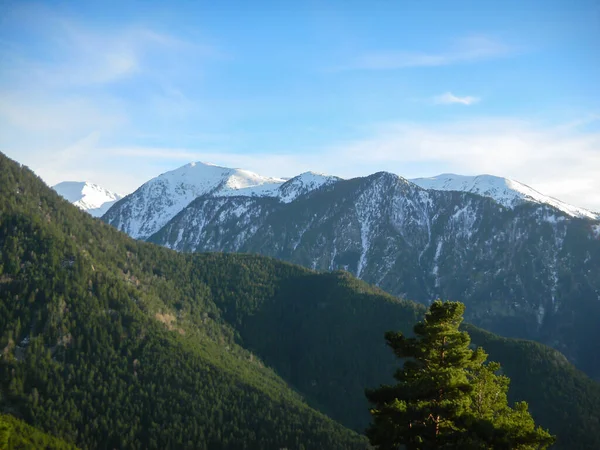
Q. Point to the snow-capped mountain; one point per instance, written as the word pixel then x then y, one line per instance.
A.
pixel 148 209
pixel 87 196
pixel 303 184
pixel 521 272
pixel 507 192
pixel 151 206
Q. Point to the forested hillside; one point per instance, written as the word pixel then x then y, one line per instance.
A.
pixel 15 434
pixel 104 350
pixel 109 342
pixel 329 343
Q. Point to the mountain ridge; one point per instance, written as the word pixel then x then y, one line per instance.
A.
pixel 112 342
pixel 87 196
pixel 157 201
pixel 507 192
pixel 520 270
pixel 241 182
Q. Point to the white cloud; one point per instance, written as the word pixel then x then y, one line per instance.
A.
pixel 469 49
pixel 58 102
pixel 449 98
pixel 561 161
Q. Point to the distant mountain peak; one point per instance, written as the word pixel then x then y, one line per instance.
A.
pixel 505 191
pixel 87 196
pixel 157 201
pixel 304 183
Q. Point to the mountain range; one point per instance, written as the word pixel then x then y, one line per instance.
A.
pixel 184 184
pixel 156 202
pixel 109 342
pixel 526 265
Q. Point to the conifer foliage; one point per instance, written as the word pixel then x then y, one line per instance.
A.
pixel 446 396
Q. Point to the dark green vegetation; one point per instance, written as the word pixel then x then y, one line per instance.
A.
pixel 446 396
pixel 109 342
pixel 17 435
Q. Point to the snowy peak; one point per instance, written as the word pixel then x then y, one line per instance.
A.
pixel 509 193
pixel 156 202
pixel 389 177
pixel 201 178
pixel 304 183
pixel 87 196
pixel 148 209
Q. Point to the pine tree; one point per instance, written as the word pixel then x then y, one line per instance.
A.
pixel 445 396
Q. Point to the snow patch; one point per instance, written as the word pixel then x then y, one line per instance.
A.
pixel 302 184
pixel 87 196
pixel 435 270
pixel 540 315
pixel 156 202
pixel 508 193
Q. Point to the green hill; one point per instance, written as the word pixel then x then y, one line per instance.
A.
pixel 101 348
pixel 17 435
pixel 330 345
pixel 109 342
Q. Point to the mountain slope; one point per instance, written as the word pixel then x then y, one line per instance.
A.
pixel 531 271
pixel 324 334
pixel 15 434
pixel 117 343
pixel 508 193
pixel 303 184
pixel 87 196
pixel 145 211
pixel 112 343
pixel 148 209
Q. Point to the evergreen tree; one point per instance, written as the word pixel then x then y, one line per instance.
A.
pixel 445 396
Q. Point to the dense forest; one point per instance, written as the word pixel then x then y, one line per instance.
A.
pixel 107 342
pixel 101 348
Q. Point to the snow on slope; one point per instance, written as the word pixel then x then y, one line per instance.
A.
pixel 286 190
pixel 87 196
pixel 302 184
pixel 508 193
pixel 157 201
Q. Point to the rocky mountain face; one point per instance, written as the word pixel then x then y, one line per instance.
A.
pixel 89 197
pixel 525 270
pixel 149 208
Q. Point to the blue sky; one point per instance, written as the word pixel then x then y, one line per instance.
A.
pixel 118 92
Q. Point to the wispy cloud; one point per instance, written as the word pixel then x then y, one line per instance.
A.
pixel 449 98
pixel 565 159
pixel 548 157
pixel 76 85
pixel 35 111
pixel 469 49
pixel 63 52
pixel 87 57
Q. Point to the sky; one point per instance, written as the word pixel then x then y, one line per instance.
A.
pixel 118 92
